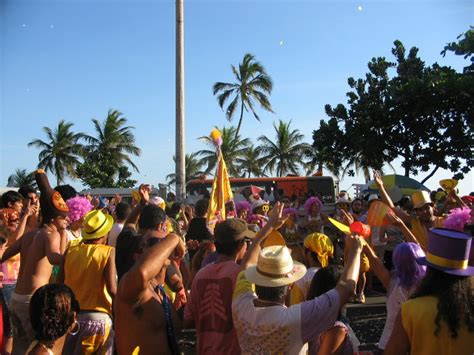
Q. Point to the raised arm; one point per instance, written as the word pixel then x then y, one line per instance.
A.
pixel 396 221
pixel 132 218
pixel 275 221
pixel 30 211
pixel 137 279
pixel 347 284
pixel 405 217
pixel 377 266
pixel 111 275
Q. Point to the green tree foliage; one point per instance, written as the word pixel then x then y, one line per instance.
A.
pixel 420 114
pixel 21 178
pixel 108 153
pixel 284 155
pixel 233 148
pixel 193 168
pixel 251 163
pixel 253 85
pixel 464 47
pixel 60 152
pixel 98 172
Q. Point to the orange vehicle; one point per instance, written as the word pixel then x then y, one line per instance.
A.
pixel 322 186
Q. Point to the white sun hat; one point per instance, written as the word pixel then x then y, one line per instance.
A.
pixel 275 267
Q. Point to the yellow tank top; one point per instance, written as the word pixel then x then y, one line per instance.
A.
pixel 421 232
pixel 418 317
pixel 84 270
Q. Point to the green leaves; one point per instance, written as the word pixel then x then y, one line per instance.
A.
pixel 253 85
pixel 403 109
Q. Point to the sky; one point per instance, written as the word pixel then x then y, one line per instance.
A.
pixel 76 59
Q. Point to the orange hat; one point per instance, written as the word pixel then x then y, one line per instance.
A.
pixel 51 203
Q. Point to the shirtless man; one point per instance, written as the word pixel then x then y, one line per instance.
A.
pixel 39 251
pixel 143 320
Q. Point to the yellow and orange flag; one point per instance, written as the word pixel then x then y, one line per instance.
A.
pixel 221 192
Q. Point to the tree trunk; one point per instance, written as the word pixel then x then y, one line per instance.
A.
pixel 180 132
pixel 430 174
pixel 407 162
pixel 240 119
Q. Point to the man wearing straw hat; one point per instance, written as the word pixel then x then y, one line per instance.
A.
pixel 263 323
pixel 423 206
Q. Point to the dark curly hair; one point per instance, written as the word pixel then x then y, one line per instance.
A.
pixel 455 299
pixel 52 310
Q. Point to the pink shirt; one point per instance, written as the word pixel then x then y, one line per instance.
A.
pixel 210 305
pixel 10 270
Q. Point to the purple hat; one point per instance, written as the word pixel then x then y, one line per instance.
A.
pixel 448 251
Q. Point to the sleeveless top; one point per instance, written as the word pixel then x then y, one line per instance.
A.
pixel 396 294
pixel 418 318
pixel 84 271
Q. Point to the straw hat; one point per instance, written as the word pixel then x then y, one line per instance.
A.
pixel 275 268
pixel 96 225
pixel 448 251
pixel 421 198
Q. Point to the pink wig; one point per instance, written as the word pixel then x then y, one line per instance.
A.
pixel 457 218
pixel 290 211
pixel 243 205
pixel 78 208
pixel 310 202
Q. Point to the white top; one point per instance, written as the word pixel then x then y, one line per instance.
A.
pixel 113 234
pixel 280 329
pixel 395 296
pixel 71 237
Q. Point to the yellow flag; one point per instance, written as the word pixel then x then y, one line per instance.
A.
pixel 221 193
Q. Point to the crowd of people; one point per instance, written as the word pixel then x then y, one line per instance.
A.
pixel 88 275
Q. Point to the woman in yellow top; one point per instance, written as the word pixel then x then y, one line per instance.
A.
pixel 439 319
pixel 89 269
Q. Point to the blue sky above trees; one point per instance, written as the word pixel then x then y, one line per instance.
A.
pixel 75 60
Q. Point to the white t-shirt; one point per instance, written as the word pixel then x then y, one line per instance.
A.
pixel 280 329
pixel 395 296
pixel 113 234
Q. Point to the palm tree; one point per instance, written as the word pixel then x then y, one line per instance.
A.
pixel 21 178
pixel 253 85
pixel 114 140
pixel 60 153
pixel 232 148
pixel 316 163
pixel 250 163
pixel 285 154
pixel 193 167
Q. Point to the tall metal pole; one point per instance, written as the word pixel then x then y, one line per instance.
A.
pixel 180 134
